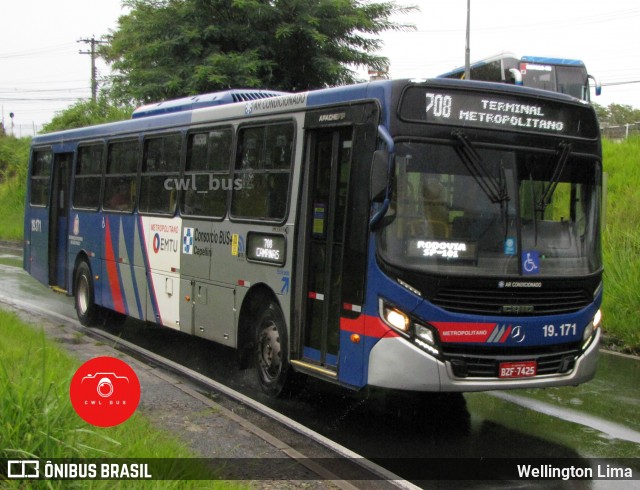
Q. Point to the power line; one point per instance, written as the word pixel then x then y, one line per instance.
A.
pixel 41 99
pixel 9 91
pixel 620 83
pixel 36 51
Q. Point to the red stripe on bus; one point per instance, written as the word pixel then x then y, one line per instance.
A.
pixel 112 272
pixel 368 326
pixel 506 334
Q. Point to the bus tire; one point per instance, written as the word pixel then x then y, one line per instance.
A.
pixel 88 312
pixel 275 376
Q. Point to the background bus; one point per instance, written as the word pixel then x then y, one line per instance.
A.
pixel 562 75
pixel 436 235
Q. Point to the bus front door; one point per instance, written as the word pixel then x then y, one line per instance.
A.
pixel 329 163
pixel 58 219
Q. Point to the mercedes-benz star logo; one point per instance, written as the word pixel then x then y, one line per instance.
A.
pixel 517 334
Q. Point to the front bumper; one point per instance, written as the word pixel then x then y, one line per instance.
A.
pixel 396 363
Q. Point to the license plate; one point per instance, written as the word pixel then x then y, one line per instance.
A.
pixel 522 369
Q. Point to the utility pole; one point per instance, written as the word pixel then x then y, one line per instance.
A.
pixel 93 54
pixel 467 51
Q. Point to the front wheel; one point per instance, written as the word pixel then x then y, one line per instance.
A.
pixel 275 375
pixel 88 312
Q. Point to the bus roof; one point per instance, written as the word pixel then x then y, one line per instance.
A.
pixel 380 90
pixel 203 100
pixel 503 55
pixel 551 61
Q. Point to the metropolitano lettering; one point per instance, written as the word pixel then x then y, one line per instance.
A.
pixel 501 113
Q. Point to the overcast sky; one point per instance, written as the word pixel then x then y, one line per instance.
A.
pixel 41 70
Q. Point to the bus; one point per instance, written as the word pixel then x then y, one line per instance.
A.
pixel 562 75
pixel 420 235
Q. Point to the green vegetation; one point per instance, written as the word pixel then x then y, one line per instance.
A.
pixel 616 114
pixel 38 420
pixel 621 244
pixel 86 113
pixel 14 154
pixel 164 50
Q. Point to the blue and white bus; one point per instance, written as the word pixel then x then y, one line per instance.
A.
pixel 564 75
pixel 425 235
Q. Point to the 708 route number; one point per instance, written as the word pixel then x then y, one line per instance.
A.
pixel 563 330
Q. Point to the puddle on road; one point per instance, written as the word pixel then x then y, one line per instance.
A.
pixel 608 428
pixel 567 428
pixel 614 394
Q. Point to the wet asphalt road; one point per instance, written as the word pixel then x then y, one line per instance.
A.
pixel 600 419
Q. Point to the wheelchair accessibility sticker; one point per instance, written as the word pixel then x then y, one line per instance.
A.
pixel 530 262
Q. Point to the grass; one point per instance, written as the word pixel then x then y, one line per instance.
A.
pixel 12 211
pixel 14 153
pixel 621 244
pixel 38 420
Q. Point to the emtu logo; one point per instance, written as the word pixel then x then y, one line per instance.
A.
pixel 156 243
pixel 105 391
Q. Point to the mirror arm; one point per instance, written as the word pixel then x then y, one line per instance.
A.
pixel 388 140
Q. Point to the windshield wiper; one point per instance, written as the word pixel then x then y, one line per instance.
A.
pixel 496 190
pixel 564 149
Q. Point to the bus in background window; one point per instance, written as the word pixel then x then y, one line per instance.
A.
pixel 562 75
pixel 421 235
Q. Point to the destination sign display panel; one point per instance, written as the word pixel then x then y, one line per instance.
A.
pixel 266 247
pixel 496 111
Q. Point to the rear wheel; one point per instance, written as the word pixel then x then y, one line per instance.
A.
pixel 275 375
pixel 88 312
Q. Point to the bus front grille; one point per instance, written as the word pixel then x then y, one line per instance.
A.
pixel 512 302
pixel 477 366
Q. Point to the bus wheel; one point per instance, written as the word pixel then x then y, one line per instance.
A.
pixel 86 308
pixel 274 373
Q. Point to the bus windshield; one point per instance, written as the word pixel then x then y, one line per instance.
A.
pixel 570 79
pixel 492 212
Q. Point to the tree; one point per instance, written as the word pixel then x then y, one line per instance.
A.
pixel 86 112
pixel 165 49
pixel 617 114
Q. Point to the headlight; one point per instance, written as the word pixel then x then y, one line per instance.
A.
pixel 597 318
pixel 424 334
pixel 425 338
pixel 394 317
pixel 590 329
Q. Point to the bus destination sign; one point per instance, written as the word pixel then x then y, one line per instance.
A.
pixel 266 247
pixel 496 111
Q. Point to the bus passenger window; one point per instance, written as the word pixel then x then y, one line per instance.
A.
pixel 40 175
pixel 88 179
pixel 206 179
pixel 263 168
pixel 120 178
pixel 160 164
pixel 120 194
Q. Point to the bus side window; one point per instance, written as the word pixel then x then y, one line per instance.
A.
pixel 120 178
pixel 88 179
pixel 262 172
pixel 206 178
pixel 160 164
pixel 40 176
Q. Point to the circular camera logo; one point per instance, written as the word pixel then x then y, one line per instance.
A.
pixel 105 391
